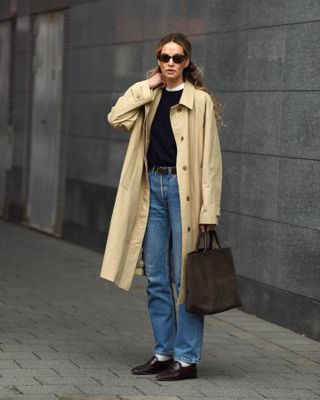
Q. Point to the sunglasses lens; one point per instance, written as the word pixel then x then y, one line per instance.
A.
pixel 164 57
pixel 177 58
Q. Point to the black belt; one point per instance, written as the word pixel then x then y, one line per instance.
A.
pixel 163 170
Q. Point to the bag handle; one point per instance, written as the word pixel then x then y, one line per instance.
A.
pixel 215 235
pixel 208 239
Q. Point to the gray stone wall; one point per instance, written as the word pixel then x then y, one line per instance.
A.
pixel 267 75
pixel 261 59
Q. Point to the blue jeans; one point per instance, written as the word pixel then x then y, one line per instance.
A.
pixel 162 248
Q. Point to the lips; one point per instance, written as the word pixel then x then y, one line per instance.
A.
pixel 170 70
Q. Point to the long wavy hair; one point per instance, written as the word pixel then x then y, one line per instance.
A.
pixel 191 73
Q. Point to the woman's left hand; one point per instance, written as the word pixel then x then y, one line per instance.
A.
pixel 207 227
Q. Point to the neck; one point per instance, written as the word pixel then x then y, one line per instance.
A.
pixel 172 83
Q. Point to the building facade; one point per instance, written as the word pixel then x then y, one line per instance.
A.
pixel 63 63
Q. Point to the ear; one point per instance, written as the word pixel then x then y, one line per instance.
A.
pixel 187 62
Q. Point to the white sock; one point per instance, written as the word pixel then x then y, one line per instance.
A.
pixel 161 357
pixel 185 364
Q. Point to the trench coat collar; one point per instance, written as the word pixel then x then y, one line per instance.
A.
pixel 187 96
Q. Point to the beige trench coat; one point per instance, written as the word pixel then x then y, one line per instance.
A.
pixel 199 174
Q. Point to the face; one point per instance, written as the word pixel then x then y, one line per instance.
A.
pixel 171 70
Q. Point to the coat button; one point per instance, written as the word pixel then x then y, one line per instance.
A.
pixel 189 229
pixel 182 138
pixel 184 167
pixel 178 109
pixel 138 96
pixel 188 198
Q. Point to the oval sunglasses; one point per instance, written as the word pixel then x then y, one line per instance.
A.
pixel 177 58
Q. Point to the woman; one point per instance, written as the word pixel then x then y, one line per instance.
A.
pixel 170 187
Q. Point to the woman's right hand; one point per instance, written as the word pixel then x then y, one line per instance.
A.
pixel 157 79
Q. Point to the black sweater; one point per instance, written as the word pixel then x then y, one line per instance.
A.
pixel 162 148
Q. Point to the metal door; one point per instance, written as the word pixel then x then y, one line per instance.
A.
pixel 46 121
pixel 5 129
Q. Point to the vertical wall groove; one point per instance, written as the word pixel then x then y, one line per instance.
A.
pixel 9 178
pixel 64 126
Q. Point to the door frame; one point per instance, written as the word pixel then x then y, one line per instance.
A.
pixel 58 227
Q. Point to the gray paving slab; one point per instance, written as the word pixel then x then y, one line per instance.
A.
pixel 15 380
pixel 31 397
pixel 7 373
pixel 67 334
pixel 16 355
pixel 118 397
pixel 48 389
pixel 110 389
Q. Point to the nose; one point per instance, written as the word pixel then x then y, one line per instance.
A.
pixel 170 62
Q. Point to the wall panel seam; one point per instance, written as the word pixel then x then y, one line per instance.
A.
pixel 269 220
pixel 270 155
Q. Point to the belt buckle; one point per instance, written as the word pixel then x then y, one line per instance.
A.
pixel 163 170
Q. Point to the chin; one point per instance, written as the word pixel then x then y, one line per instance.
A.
pixel 171 76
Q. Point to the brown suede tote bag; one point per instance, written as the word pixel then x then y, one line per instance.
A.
pixel 210 278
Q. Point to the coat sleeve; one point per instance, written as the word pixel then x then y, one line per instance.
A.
pixel 211 169
pixel 124 113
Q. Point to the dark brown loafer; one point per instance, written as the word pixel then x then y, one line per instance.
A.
pixel 153 366
pixel 176 372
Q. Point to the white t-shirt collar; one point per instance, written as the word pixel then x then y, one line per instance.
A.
pixel 179 87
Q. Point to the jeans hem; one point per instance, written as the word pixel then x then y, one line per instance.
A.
pixel 193 361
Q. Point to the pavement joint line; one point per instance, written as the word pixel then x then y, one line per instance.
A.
pixel 77 387
pixel 72 362
pixel 139 390
pixel 16 389
pixel 35 378
pixel 114 373
pixel 56 372
pixel 18 364
pixel 36 355
pixel 97 380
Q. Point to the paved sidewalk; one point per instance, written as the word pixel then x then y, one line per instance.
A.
pixel 65 333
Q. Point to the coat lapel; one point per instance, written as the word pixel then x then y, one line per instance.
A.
pixel 150 111
pixel 187 97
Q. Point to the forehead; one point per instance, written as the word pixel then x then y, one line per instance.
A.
pixel 172 48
